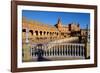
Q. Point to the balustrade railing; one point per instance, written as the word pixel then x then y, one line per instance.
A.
pixel 65 49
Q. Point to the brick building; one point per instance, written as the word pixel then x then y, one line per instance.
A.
pixel 39 32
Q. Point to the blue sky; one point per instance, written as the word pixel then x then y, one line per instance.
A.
pixel 49 17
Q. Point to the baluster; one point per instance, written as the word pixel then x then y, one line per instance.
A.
pixel 80 50
pixel 50 51
pixel 44 50
pixel 59 50
pixel 62 50
pixel 35 51
pixel 75 50
pixel 68 50
pixel 55 52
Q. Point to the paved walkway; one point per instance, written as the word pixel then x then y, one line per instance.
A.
pixel 56 58
pixel 66 40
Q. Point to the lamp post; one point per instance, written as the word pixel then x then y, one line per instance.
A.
pixel 27 35
pixel 27 47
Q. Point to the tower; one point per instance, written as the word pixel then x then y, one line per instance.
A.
pixel 59 24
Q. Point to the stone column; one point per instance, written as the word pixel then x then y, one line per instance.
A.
pixel 26 51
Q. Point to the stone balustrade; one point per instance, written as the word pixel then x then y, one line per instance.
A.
pixel 65 49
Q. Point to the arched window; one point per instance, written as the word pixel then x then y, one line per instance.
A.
pixel 44 32
pixel 40 32
pixel 53 33
pixel 23 30
pixel 47 33
pixel 31 31
pixel 50 33
pixel 57 33
pixel 36 33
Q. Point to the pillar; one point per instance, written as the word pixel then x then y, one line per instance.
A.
pixel 26 51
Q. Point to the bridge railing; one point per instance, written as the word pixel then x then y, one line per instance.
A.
pixel 56 49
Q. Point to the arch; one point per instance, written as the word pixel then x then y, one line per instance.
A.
pixel 31 31
pixel 50 33
pixel 44 32
pixel 47 33
pixel 23 30
pixel 36 32
pixel 57 33
pixel 40 32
